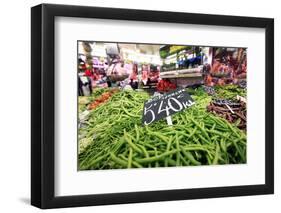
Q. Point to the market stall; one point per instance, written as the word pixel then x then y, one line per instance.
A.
pixel 228 66
pixel 211 130
pixel 182 64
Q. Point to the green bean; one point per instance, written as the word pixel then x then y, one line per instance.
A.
pixel 156 163
pixel 183 134
pixel 168 149
pixel 130 158
pixel 183 160
pixel 239 151
pixel 190 157
pixel 162 137
pixel 131 144
pixel 201 129
pixel 148 145
pixel 93 162
pixel 234 131
pixel 118 160
pixel 215 161
pixel 171 162
pixel 128 113
pixel 156 158
pixel 135 164
pixel 144 151
pixel 178 149
pixel 222 143
pixel 137 133
pixel 88 157
pixel 203 139
pixel 209 159
pixel 193 132
pixel 217 132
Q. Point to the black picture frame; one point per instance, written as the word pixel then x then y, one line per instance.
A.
pixel 43 102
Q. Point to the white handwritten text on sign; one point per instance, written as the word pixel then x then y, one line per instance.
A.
pixel 165 105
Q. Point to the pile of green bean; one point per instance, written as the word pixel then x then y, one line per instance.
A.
pixel 107 123
pixel 117 139
pixel 229 92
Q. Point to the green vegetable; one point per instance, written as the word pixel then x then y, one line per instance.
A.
pixel 190 157
pixel 130 158
pixel 156 158
pixel 114 137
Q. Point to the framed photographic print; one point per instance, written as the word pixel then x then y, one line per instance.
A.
pixel 139 106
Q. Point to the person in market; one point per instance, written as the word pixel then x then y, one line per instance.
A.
pixel 206 71
pixel 89 74
pixel 82 65
pixel 154 75
pixel 80 89
pixel 88 71
pixel 134 77
pixel 96 75
pixel 81 69
pixel 144 74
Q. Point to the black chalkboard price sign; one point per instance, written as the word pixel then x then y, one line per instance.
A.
pixel 165 105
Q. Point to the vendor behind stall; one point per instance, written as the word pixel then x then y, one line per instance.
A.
pixel 134 77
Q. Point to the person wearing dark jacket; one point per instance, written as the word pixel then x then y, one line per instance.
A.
pixel 80 84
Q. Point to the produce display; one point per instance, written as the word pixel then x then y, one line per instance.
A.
pixel 112 136
pixel 209 90
pixel 229 92
pixel 160 105
pixel 165 86
pixel 103 98
pixel 234 113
